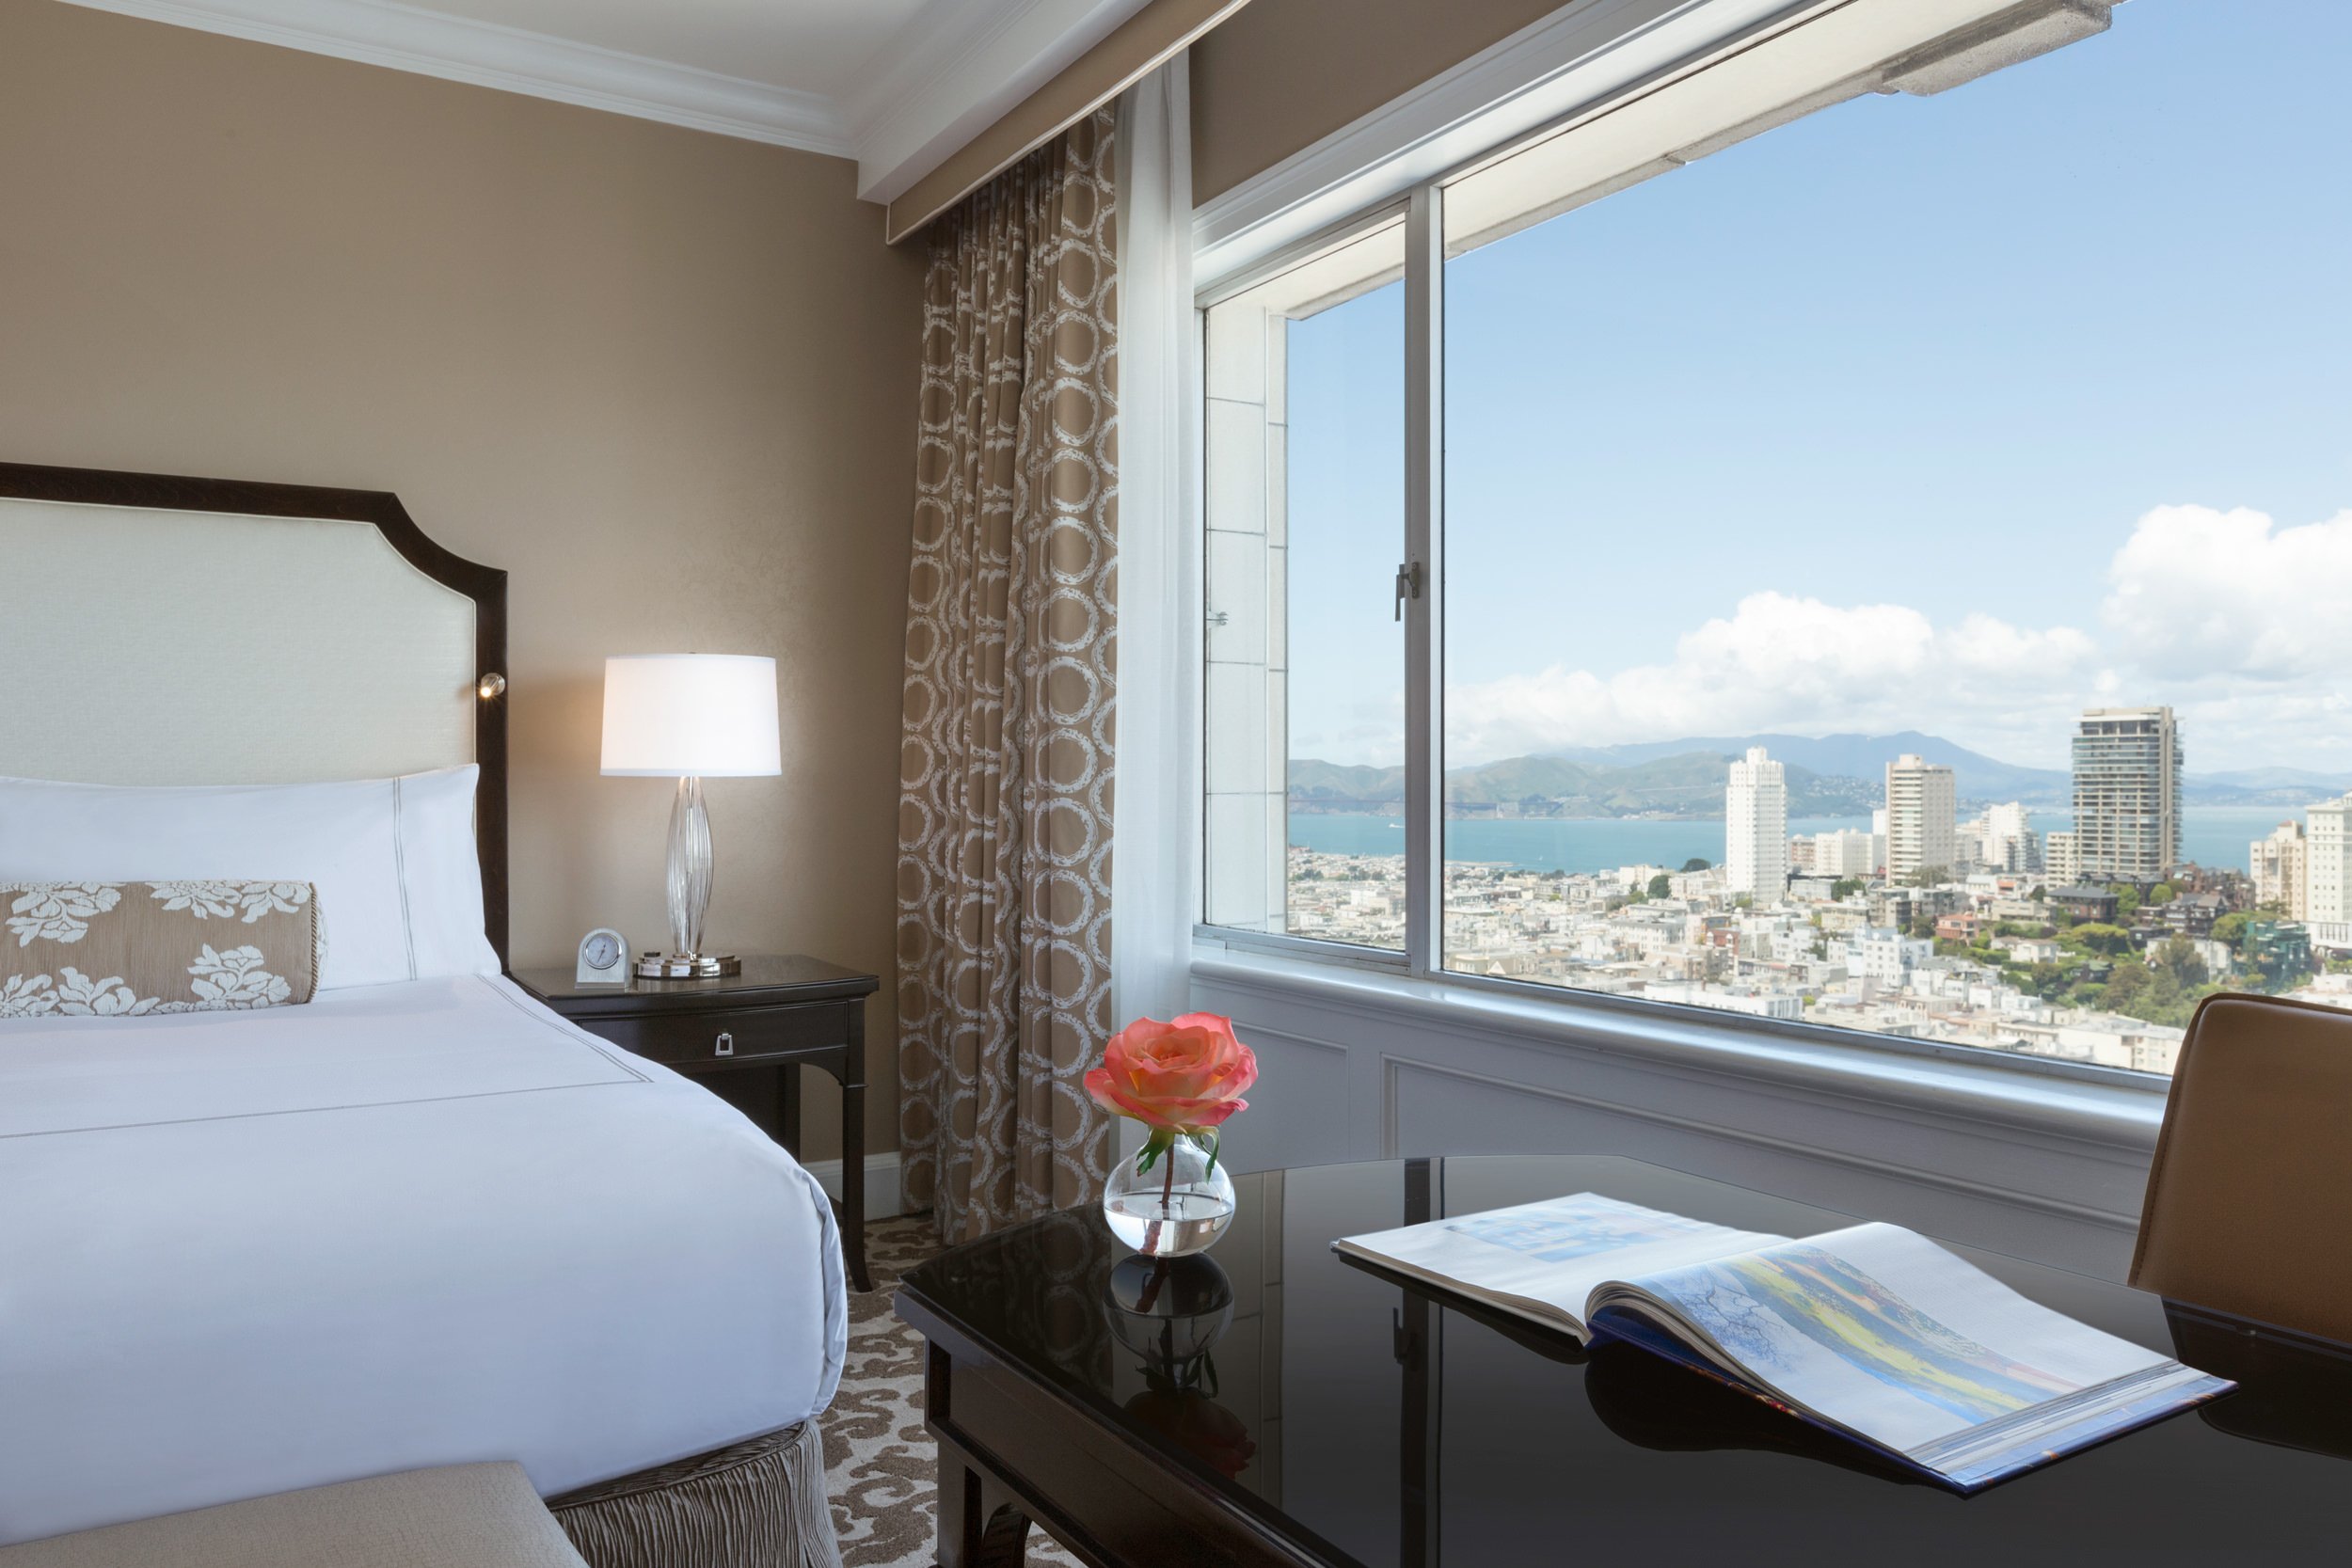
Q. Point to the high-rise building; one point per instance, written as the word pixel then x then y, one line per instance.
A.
pixel 2279 864
pixel 2008 842
pixel 1847 853
pixel 2127 794
pixel 2062 861
pixel 2327 865
pixel 1920 802
pixel 1755 829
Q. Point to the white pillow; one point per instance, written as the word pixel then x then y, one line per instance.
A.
pixel 399 879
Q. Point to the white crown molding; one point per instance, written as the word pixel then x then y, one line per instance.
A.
pixel 946 75
pixel 945 78
pixel 456 49
pixel 921 57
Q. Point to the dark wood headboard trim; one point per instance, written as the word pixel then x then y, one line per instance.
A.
pixel 484 585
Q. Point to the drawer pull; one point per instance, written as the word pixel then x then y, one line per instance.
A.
pixel 726 1045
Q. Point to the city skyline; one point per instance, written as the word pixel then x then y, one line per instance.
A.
pixel 1924 927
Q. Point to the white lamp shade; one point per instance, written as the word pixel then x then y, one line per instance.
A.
pixel 710 716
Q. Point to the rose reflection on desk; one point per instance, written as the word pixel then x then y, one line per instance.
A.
pixel 1170 1311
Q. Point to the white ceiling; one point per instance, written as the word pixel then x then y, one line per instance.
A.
pixel 808 45
pixel 897 85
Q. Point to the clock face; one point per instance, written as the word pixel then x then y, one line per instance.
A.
pixel 601 950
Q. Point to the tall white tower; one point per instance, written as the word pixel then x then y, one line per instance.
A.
pixel 2328 864
pixel 1922 802
pixel 2280 866
pixel 1755 829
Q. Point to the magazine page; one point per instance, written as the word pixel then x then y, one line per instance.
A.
pixel 1542 1260
pixel 1888 1335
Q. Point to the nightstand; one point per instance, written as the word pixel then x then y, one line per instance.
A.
pixel 780 1015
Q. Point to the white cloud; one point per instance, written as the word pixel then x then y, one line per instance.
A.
pixel 1780 662
pixel 2235 622
pixel 2201 596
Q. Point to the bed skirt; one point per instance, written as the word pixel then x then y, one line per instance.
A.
pixel 758 1504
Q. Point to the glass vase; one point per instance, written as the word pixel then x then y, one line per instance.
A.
pixel 1170 1204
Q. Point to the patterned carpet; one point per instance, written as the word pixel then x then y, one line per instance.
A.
pixel 878 1458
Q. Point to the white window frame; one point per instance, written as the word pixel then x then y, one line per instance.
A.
pixel 1608 71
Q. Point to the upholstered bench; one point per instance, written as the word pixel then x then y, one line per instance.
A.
pixel 459 1516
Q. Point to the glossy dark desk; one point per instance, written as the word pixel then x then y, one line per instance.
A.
pixel 1342 1416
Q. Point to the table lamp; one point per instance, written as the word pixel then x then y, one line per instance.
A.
pixel 691 716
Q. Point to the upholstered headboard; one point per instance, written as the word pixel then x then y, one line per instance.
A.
pixel 155 629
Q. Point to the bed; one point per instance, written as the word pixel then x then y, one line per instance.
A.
pixel 418 1222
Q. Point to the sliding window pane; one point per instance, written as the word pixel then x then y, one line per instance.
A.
pixel 1892 561
pixel 1305 513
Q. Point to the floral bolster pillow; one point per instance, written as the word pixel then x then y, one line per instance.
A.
pixel 123 949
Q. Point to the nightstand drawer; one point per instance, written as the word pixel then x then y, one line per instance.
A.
pixel 724 1038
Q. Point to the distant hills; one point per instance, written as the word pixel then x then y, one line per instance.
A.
pixel 1688 784
pixel 1835 775
pixel 1975 776
pixel 2265 787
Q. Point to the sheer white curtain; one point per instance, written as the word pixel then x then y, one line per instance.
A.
pixel 1157 812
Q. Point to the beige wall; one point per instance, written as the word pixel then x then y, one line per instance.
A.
pixel 1282 74
pixel 665 379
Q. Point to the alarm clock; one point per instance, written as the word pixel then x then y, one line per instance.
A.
pixel 603 958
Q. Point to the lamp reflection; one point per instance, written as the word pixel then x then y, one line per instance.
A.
pixel 1170 1312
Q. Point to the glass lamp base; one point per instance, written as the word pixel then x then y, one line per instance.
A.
pixel 688 966
pixel 690 895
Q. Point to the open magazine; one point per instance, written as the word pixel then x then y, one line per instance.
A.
pixel 1872 1332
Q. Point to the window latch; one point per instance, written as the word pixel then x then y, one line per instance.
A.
pixel 1408 580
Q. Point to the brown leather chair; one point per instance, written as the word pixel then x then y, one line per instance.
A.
pixel 2249 1200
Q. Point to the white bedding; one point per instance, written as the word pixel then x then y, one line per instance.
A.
pixel 406 1225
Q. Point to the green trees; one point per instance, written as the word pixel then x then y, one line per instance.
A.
pixel 1695 863
pixel 2049 979
pixel 1929 876
pixel 2178 958
pixel 2126 900
pixel 1845 887
pixel 1661 885
pixel 2128 985
pixel 2163 892
pixel 2093 937
pixel 2230 930
pixel 2165 989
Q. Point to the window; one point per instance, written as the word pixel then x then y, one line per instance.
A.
pixel 1306 508
pixel 1877 576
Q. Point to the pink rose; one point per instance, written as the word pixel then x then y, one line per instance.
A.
pixel 1183 1075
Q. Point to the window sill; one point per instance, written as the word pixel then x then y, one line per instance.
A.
pixel 2026 1097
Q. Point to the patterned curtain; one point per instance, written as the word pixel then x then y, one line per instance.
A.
pixel 1005 795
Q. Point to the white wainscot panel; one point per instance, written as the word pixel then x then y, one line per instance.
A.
pixel 1349 1077
pixel 1298 1112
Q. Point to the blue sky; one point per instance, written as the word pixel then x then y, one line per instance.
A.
pixel 1957 412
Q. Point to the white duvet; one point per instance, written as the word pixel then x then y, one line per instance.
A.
pixel 406 1225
